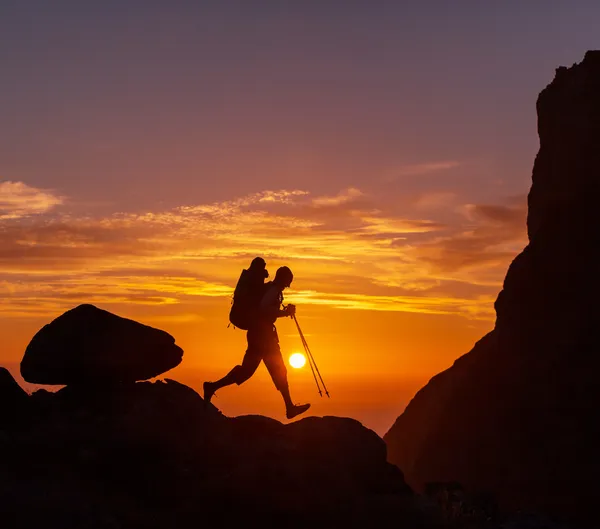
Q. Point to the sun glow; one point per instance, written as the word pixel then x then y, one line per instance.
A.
pixel 297 360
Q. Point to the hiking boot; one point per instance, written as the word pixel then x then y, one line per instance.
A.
pixel 295 410
pixel 209 391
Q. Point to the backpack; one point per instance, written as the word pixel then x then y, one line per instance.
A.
pixel 246 299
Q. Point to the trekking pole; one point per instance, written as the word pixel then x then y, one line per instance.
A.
pixel 311 359
pixel 310 363
pixel 312 368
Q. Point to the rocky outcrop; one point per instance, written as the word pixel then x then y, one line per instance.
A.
pixel 152 455
pixel 88 345
pixel 14 401
pixel 517 414
pixel 106 451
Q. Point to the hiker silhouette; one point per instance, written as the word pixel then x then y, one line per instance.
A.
pixel 263 341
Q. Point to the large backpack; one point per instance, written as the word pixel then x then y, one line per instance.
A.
pixel 246 299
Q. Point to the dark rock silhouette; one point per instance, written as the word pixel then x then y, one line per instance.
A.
pixel 517 414
pixel 151 454
pixel 14 401
pixel 90 345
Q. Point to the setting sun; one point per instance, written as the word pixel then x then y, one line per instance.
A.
pixel 297 360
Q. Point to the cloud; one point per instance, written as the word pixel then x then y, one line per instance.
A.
pixel 434 200
pixel 345 196
pixel 481 307
pixel 506 216
pixel 351 250
pixel 392 226
pixel 493 236
pixel 232 206
pixel 20 200
pixel 421 169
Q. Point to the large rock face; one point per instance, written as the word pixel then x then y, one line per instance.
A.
pixel 90 345
pixel 518 414
pixel 151 455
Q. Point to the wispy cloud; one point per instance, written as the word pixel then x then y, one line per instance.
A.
pixel 420 169
pixel 345 196
pixel 20 200
pixel 481 307
pixel 435 200
pixel 490 237
pixel 351 251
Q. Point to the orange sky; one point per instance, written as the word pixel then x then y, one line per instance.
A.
pixel 381 150
pixel 385 301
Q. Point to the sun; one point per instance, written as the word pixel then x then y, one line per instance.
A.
pixel 297 360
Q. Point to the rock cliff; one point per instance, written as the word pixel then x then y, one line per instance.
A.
pixel 517 414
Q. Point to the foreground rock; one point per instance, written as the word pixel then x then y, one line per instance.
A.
pixel 89 345
pixel 517 414
pixel 14 401
pixel 150 455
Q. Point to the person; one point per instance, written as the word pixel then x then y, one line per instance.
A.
pixel 263 345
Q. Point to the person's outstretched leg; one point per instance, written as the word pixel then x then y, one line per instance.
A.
pixel 276 366
pixel 230 378
pixel 238 375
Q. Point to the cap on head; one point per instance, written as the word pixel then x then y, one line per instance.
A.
pixel 284 276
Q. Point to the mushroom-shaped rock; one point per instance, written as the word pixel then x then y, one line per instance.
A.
pixel 88 344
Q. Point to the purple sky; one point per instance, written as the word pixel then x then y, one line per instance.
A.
pixel 139 104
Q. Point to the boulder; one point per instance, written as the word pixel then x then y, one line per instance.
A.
pixel 516 415
pixel 87 345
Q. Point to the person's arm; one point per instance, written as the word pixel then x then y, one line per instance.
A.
pixel 270 305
